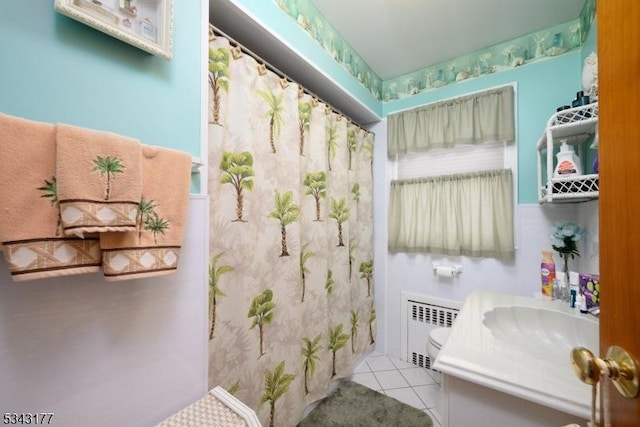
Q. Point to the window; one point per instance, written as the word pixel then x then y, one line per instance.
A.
pixel 455 198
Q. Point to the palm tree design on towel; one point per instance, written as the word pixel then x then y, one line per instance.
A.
pixel 50 191
pixel 109 167
pixel 148 219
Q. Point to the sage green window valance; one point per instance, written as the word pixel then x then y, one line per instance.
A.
pixel 472 119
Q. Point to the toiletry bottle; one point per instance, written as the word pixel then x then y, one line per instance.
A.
pixel 581 303
pixel 574 279
pixel 561 280
pixel 581 99
pixel 547 273
pixel 568 162
pixel 555 292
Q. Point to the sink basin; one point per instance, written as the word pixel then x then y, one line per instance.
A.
pixel 543 332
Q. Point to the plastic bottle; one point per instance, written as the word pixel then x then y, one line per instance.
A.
pixel 574 285
pixel 547 273
pixel 581 302
pixel 562 285
pixel 568 162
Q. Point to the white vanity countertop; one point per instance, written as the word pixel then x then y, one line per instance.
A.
pixel 538 373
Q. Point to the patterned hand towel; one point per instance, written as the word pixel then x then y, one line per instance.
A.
pixel 30 230
pixel 99 180
pixel 154 248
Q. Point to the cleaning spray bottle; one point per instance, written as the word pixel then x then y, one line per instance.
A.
pixel 547 273
pixel 568 162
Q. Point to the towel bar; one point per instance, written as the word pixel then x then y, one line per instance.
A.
pixel 196 164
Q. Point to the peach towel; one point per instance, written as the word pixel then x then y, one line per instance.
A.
pixel 154 248
pixel 30 230
pixel 99 180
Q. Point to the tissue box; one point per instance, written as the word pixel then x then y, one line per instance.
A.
pixel 590 287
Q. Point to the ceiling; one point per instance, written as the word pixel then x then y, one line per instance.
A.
pixel 394 36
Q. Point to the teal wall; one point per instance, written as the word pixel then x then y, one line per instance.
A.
pixel 55 69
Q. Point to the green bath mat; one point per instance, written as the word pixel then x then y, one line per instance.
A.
pixel 353 405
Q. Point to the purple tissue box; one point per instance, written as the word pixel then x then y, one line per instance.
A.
pixel 590 287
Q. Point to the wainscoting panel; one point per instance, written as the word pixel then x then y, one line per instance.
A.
pixel 97 353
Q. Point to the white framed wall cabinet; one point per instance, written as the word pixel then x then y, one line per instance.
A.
pixel 145 24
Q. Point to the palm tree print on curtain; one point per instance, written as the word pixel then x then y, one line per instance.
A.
pixel 339 212
pixel 372 318
pixel 351 144
pixel 355 318
pixel 261 314
pixel 304 110
pixel 274 114
pixel 237 170
pixel 366 273
pixel 305 255
pixel 281 301
pixel 353 245
pixel 218 77
pixel 332 136
pixel 315 185
pixel 215 273
pixel 276 384
pixel 309 354
pixel 329 283
pixel 287 212
pixel 337 341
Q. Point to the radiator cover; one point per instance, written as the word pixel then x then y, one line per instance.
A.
pixel 421 314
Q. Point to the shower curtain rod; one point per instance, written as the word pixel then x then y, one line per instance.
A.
pixel 282 75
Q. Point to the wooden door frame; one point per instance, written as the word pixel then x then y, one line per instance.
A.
pixel 619 157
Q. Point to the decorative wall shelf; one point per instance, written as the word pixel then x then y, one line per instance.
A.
pixel 575 126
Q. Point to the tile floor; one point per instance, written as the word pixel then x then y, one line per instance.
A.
pixel 408 383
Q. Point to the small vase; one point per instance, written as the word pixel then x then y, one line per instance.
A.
pixel 566 294
pixel 575 39
pixel 452 74
pixel 557 40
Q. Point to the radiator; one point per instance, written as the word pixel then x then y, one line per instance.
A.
pixel 421 314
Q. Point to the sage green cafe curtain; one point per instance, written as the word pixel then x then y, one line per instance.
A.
pixel 473 119
pixel 463 214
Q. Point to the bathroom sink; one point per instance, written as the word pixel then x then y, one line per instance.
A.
pixel 543 332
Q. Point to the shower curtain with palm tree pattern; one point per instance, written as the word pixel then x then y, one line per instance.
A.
pixel 291 229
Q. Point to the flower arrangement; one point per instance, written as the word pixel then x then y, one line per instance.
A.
pixel 564 239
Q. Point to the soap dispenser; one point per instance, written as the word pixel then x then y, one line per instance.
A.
pixel 568 162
